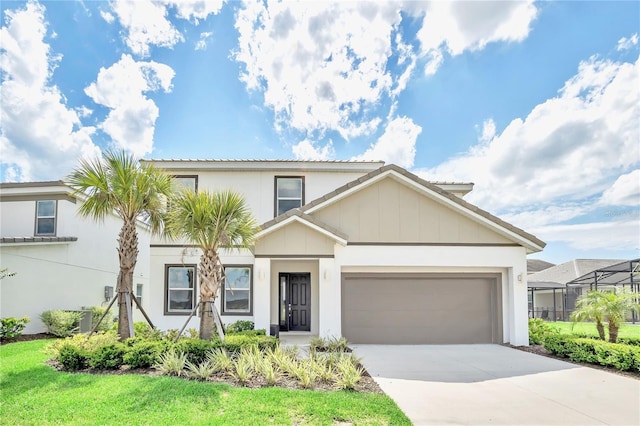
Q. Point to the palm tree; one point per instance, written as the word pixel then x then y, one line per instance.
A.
pixel 590 307
pixel 616 305
pixel 118 183
pixel 211 221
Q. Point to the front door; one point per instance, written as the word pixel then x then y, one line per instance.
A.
pixel 295 302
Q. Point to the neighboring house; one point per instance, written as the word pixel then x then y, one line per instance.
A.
pixel 537 265
pixel 355 249
pixel 61 261
pixel 549 297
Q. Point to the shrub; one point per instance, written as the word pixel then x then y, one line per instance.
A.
pixel 258 332
pixel 349 374
pixel 235 342
pixel 73 358
pixel 108 357
pixel 620 356
pixel 12 327
pixel 171 363
pixel 538 329
pixel 238 326
pixel 143 353
pixel 330 344
pixel 633 341
pixel 96 314
pixel 200 371
pixel 196 350
pixel 61 323
pixel 94 342
pixel 220 359
pixel 242 369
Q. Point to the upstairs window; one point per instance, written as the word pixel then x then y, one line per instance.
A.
pixel 45 217
pixel 180 286
pixel 289 194
pixel 185 182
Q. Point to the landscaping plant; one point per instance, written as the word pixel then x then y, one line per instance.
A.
pixel 12 327
pixel 61 323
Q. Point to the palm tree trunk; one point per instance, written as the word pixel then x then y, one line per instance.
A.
pixel 127 254
pixel 210 278
pixel 613 332
pixel 600 328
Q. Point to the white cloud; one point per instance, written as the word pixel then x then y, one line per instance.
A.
pixel 455 27
pixel 40 138
pixel 627 43
pixel 613 235
pixel 196 10
pixel 121 87
pixel 397 144
pixel 625 191
pixel 202 43
pixel 108 17
pixel 569 148
pixel 305 150
pixel 147 23
pixel 322 66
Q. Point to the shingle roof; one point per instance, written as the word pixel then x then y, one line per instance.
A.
pixel 569 271
pixel 537 265
pixel 431 186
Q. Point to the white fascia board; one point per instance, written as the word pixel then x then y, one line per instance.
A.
pixel 298 219
pixel 274 165
pixel 530 246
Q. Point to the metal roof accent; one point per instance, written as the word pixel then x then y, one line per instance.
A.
pixel 21 240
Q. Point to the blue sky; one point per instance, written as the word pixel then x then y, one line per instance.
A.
pixel 537 103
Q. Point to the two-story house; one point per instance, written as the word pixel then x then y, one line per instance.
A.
pixel 355 249
pixel 61 260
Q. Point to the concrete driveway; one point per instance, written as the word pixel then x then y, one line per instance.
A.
pixel 493 384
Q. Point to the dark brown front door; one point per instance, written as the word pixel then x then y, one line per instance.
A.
pixel 295 306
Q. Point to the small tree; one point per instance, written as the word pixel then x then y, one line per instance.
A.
pixel 119 183
pixel 591 307
pixel 616 305
pixel 211 221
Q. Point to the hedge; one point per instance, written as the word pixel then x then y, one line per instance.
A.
pixel 618 355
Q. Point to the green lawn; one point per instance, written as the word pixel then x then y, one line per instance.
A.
pixel 33 393
pixel 627 330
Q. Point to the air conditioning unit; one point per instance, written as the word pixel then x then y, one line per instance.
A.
pixel 85 321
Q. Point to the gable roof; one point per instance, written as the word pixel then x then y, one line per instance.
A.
pixel 295 215
pixel 529 241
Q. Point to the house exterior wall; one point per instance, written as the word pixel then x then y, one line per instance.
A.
pixel 66 275
pixel 388 211
pixel 295 239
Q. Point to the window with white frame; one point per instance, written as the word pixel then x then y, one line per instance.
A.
pixel 185 183
pixel 289 193
pixel 139 293
pixel 236 294
pixel 180 284
pixel 46 217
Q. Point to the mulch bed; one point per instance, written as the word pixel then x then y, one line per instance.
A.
pixel 540 350
pixel 366 385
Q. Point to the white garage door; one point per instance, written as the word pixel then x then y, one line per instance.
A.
pixel 421 308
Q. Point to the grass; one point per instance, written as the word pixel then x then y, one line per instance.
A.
pixel 36 394
pixel 626 330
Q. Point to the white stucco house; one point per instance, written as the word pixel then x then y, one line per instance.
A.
pixel 61 260
pixel 356 249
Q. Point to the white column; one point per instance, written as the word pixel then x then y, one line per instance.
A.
pixel 329 298
pixel 520 326
pixel 262 293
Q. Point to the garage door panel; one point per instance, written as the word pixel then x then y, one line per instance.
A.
pixel 423 309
